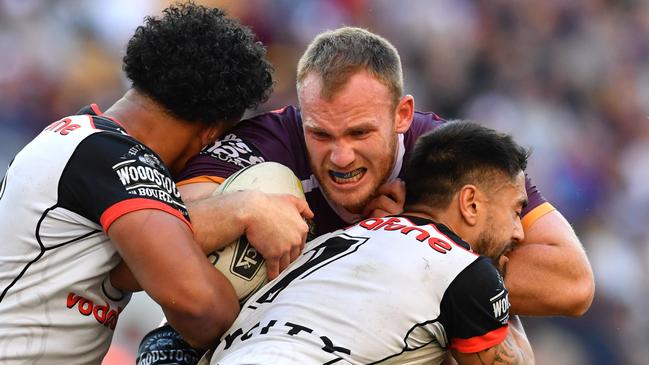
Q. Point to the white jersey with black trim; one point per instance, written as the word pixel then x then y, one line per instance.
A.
pixel 58 198
pixel 398 290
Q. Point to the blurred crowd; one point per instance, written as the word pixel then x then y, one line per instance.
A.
pixel 569 78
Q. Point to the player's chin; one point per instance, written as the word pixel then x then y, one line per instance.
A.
pixel 354 202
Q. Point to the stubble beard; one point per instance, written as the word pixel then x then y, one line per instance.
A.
pixel 355 204
pixel 489 245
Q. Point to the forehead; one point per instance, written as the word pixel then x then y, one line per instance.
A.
pixel 362 99
pixel 512 190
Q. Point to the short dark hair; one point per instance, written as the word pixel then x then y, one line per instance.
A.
pixel 459 153
pixel 198 64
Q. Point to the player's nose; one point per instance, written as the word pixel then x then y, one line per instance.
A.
pixel 342 154
pixel 518 234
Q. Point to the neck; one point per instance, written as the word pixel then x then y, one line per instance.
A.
pixel 149 123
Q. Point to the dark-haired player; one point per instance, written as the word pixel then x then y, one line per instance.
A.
pixel 404 289
pixel 347 142
pixel 94 187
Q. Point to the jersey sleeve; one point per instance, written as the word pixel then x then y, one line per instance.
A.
pixel 110 174
pixel 536 207
pixel 274 136
pixel 475 308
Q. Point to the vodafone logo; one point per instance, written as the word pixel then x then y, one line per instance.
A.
pixel 102 313
pixel 403 226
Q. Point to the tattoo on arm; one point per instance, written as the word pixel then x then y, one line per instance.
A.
pixel 507 353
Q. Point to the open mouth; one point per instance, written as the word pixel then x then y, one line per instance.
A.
pixel 347 177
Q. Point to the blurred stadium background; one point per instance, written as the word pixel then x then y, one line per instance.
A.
pixel 570 78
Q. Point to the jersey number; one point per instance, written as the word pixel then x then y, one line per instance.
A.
pixel 327 252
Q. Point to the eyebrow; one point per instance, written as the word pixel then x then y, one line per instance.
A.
pixel 360 126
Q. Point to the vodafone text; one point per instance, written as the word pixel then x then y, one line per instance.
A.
pixel 63 126
pixel 102 313
pixel 404 226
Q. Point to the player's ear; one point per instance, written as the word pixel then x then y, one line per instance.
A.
pixel 468 204
pixel 404 113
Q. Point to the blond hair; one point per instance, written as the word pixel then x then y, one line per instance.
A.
pixel 336 55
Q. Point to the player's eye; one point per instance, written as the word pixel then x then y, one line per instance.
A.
pixel 320 135
pixel 360 133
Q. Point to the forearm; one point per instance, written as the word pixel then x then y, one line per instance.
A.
pixel 217 221
pixel 520 350
pixel 515 349
pixel 158 249
pixel 549 273
pixel 198 329
pixel 122 278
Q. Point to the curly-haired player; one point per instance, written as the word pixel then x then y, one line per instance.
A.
pixel 95 188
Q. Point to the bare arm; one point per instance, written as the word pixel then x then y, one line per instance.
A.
pixel 549 273
pixel 273 223
pixel 515 349
pixel 197 300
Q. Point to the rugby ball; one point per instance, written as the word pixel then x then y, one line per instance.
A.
pixel 239 261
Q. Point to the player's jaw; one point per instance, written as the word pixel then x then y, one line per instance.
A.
pixel 492 244
pixel 352 187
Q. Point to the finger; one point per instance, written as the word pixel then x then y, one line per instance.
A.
pixel 302 207
pixel 284 261
pixel 395 190
pixel 371 206
pixel 379 213
pixel 295 252
pixel 389 187
pixel 384 204
pixel 400 196
pixel 272 267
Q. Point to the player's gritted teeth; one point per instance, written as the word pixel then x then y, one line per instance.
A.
pixel 347 177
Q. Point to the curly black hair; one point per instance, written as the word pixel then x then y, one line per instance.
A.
pixel 198 64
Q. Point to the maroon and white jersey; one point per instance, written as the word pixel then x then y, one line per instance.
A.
pixel 60 195
pixel 278 136
pixel 397 290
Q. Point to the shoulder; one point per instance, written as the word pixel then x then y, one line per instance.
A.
pixel 272 136
pixel 286 118
pixel 479 290
pixel 427 120
pixel 422 122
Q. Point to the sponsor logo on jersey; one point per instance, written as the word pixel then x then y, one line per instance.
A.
pixel 104 314
pixel 145 181
pixel 166 347
pixel 500 306
pixel 285 329
pixel 63 126
pixel 405 227
pixel 233 150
